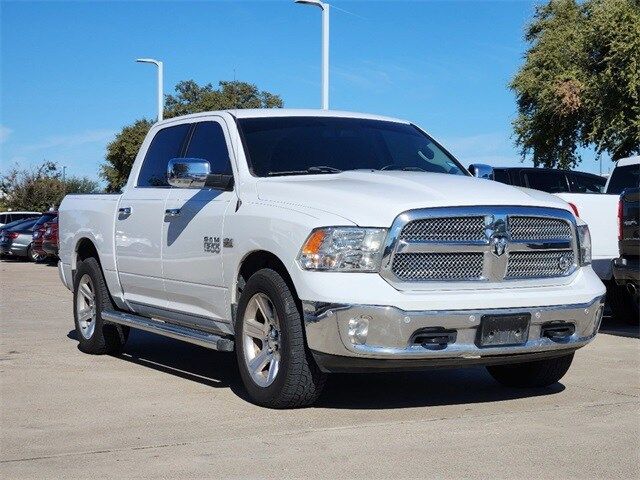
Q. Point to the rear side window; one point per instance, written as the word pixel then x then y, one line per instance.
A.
pixel 587 183
pixel 550 182
pixel 501 176
pixel 3 218
pixel 208 143
pixel 167 144
pixel 624 177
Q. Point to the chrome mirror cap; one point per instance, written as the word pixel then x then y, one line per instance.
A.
pixel 481 170
pixel 188 172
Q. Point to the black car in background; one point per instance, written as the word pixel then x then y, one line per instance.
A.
pixel 550 180
pixel 625 300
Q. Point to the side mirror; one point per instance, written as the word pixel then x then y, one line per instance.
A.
pixel 187 172
pixel 481 170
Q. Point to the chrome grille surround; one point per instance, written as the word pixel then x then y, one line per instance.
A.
pixel 451 244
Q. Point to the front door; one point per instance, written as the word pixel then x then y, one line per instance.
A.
pixel 193 236
pixel 140 219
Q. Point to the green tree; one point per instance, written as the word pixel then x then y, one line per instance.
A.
pixel 580 83
pixel 121 153
pixel 41 187
pixel 189 98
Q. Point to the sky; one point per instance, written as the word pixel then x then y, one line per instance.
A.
pixel 69 82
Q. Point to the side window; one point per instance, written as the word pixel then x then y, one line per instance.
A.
pixel 501 176
pixel 550 182
pixel 587 183
pixel 208 143
pixel 3 218
pixel 167 144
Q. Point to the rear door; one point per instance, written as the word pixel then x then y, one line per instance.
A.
pixel 193 236
pixel 550 181
pixel 139 222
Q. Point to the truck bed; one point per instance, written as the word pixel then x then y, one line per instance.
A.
pixel 600 212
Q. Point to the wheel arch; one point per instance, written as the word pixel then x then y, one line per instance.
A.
pixel 257 260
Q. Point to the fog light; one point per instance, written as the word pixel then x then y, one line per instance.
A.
pixel 358 329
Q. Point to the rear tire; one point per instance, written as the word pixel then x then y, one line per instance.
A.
pixel 623 304
pixel 32 255
pixel 90 298
pixel 289 377
pixel 540 373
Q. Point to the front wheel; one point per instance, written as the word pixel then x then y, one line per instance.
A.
pixel 276 367
pixel 540 373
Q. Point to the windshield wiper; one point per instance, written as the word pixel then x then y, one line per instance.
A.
pixel 310 170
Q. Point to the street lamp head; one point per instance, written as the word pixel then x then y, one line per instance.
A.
pixel 316 3
pixel 148 60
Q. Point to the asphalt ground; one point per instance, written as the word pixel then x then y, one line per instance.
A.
pixel 165 409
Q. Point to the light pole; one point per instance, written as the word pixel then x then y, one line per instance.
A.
pixel 325 48
pixel 158 64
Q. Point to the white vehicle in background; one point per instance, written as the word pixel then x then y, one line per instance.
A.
pixel 600 212
pixel 317 241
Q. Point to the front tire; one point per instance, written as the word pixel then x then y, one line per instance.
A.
pixel 275 365
pixel 540 373
pixel 90 298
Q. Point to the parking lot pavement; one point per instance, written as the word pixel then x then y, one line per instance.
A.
pixel 165 409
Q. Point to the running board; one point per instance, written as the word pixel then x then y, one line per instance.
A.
pixel 190 335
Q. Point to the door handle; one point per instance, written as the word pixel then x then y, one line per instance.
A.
pixel 172 212
pixel 124 211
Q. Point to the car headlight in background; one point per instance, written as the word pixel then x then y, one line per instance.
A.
pixel 343 249
pixel 584 245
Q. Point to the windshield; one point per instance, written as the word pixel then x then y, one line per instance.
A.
pixel 624 177
pixel 312 145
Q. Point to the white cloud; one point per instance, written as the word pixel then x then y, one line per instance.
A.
pixel 74 140
pixel 5 132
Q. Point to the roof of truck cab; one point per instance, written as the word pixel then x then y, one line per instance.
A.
pixel 286 112
pixel 623 162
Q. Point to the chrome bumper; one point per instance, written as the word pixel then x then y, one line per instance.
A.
pixel 391 331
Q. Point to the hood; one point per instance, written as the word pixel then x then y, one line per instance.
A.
pixel 376 198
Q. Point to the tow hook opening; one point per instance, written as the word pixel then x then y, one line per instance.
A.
pixel 433 338
pixel 557 331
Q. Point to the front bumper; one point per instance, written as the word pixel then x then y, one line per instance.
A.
pixel 390 339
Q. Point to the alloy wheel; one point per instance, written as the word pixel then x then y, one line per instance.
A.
pixel 261 340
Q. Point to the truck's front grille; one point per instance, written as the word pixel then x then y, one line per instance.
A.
pixel 480 243
pixel 417 267
pixel 452 229
pixel 539 264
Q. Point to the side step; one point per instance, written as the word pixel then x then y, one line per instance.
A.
pixel 197 337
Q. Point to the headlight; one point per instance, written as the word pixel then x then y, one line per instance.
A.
pixel 584 245
pixel 343 249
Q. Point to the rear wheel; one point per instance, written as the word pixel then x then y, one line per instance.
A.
pixel 276 367
pixel 624 305
pixel 541 373
pixel 90 298
pixel 33 255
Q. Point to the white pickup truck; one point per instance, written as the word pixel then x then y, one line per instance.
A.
pixel 600 212
pixel 319 241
